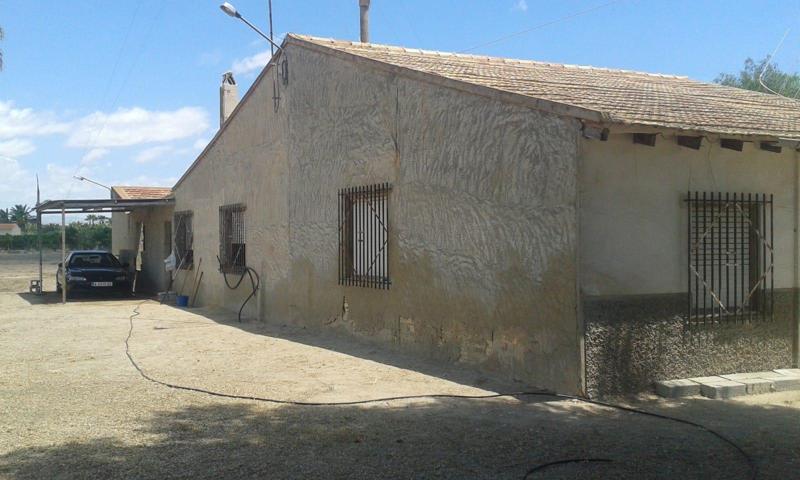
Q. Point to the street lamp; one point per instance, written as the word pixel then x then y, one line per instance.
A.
pixel 231 11
pixel 84 179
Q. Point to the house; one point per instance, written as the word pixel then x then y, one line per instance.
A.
pixel 582 229
pixel 10 229
pixel 147 227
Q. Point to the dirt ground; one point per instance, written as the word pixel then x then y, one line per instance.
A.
pixel 73 406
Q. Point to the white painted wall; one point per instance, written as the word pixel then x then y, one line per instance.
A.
pixel 633 218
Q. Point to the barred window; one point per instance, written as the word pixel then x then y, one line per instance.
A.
pixel 184 240
pixel 364 236
pixel 232 238
pixel 731 258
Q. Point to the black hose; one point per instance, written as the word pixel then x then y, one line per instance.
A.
pixel 545 393
pixel 565 461
pixel 255 284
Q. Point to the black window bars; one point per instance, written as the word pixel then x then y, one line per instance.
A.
pixel 731 271
pixel 364 236
pixel 232 238
pixel 184 239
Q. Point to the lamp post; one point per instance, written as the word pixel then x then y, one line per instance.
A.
pixel 84 179
pixel 230 10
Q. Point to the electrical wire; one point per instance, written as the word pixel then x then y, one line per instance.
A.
pixel 753 468
pixel 541 25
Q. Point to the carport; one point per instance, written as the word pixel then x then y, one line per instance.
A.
pixel 63 207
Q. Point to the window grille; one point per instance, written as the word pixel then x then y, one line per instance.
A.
pixel 731 258
pixel 232 254
pixel 184 240
pixel 364 236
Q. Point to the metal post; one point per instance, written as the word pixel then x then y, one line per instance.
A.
pixel 63 255
pixel 39 244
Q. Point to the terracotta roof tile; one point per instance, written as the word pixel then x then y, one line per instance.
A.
pixel 619 96
pixel 141 193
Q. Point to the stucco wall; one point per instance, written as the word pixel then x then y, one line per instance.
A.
pixel 633 225
pixel 125 243
pixel 483 235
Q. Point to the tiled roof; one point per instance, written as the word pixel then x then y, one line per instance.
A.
pixel 612 96
pixel 141 193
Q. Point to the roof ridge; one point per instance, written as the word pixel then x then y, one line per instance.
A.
pixel 484 58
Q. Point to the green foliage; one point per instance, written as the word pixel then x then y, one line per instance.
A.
pixel 786 84
pixel 20 214
pixel 79 236
pixel 4 216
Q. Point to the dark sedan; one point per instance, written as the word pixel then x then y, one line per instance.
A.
pixel 91 270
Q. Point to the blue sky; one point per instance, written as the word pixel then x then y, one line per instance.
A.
pixel 126 92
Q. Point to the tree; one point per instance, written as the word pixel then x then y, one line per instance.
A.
pixel 4 215
pixel 780 82
pixel 20 214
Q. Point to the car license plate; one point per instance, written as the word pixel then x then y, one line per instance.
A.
pixel 102 284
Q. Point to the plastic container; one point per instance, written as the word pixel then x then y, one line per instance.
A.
pixel 182 301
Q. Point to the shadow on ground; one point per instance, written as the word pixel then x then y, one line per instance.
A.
pixel 51 298
pixel 441 439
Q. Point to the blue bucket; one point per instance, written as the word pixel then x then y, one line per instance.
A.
pixel 182 300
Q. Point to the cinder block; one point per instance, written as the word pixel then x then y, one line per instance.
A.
pixel 793 372
pixel 756 386
pixel 784 383
pixel 677 388
pixel 722 388
pixel 738 377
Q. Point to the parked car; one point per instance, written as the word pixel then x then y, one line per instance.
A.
pixel 93 270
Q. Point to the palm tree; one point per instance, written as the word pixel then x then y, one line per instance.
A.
pixel 4 215
pixel 20 214
pixel 91 218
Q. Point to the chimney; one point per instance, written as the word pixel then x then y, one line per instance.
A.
pixel 228 97
pixel 364 4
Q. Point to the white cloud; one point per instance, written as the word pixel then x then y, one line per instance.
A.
pixel 94 155
pixel 200 143
pixel 521 6
pixel 25 122
pixel 153 153
pixel 133 126
pixel 16 147
pixel 14 181
pixel 251 64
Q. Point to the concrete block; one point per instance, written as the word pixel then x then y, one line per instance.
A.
pixel 677 388
pixel 784 383
pixel 738 377
pixel 720 388
pixel 794 372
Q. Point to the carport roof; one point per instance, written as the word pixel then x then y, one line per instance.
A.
pixel 98 205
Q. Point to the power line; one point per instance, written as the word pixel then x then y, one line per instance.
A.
pixel 542 25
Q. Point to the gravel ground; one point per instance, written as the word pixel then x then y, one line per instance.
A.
pixel 72 406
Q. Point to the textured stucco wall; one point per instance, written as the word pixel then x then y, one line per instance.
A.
pixel 246 164
pixel 483 236
pixel 633 341
pixel 633 225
